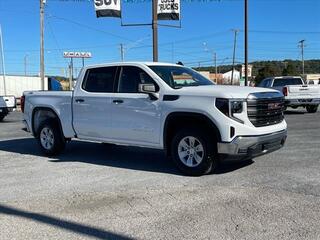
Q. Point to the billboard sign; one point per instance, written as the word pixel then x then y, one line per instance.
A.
pixel 77 54
pixel 169 9
pixel 108 8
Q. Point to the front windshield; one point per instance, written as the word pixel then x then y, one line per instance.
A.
pixel 178 77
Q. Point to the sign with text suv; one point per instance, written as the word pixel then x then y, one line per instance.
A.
pixel 168 9
pixel 108 8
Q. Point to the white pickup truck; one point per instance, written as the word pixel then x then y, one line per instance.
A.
pixel 162 106
pixel 296 92
pixel 7 104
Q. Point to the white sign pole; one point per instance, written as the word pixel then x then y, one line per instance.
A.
pixel 3 65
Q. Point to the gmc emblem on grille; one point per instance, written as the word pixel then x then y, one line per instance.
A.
pixel 273 106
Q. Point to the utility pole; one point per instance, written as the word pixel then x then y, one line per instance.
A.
pixel 215 63
pixel 155 30
pixel 71 74
pixel 3 66
pixel 246 41
pixel 121 52
pixel 42 3
pixel 25 64
pixel 234 52
pixel 301 45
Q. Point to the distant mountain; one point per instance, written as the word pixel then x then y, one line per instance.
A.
pixel 263 69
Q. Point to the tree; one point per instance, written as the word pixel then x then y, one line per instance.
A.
pixel 268 71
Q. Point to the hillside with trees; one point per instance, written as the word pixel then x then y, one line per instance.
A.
pixel 263 69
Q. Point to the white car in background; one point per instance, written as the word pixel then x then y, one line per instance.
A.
pixel 7 104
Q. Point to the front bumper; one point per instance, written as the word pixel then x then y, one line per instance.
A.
pixel 300 102
pixel 252 146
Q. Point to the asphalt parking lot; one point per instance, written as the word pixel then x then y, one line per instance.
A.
pixel 94 191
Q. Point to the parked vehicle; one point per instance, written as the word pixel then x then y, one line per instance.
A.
pixel 7 104
pixel 296 92
pixel 163 106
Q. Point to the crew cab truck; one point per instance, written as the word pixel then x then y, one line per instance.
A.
pixel 162 106
pixel 296 92
pixel 7 104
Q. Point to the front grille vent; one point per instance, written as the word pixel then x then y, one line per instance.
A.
pixel 265 109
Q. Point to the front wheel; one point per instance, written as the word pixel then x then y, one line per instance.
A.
pixel 312 108
pixel 50 138
pixel 193 152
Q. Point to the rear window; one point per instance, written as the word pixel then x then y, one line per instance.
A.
pixel 100 79
pixel 287 81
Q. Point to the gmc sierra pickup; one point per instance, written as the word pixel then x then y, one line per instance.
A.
pixel 163 106
pixel 296 92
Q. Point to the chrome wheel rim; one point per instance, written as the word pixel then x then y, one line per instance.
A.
pixel 190 151
pixel 47 138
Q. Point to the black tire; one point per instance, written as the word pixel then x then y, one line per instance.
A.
pixel 312 108
pixel 2 116
pixel 209 155
pixel 52 128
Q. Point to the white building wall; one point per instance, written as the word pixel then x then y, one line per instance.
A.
pixel 227 77
pixel 16 85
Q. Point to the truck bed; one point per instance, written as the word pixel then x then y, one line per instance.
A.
pixel 59 101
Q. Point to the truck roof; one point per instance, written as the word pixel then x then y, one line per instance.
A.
pixel 132 63
pixel 283 77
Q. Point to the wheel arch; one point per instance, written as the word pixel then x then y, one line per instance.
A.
pixel 40 114
pixel 178 120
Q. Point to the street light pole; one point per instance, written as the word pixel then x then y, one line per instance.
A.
pixel 42 2
pixel 215 63
pixel 246 41
pixel 301 45
pixel 25 64
pixel 3 66
pixel 234 53
pixel 155 30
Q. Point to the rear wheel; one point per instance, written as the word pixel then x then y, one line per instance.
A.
pixel 194 152
pixel 312 108
pixel 50 138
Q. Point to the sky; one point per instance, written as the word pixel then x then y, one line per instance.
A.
pixel 275 28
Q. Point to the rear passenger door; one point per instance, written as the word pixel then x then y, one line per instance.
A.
pixel 92 104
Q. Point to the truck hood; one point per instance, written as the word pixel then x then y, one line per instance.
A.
pixel 221 91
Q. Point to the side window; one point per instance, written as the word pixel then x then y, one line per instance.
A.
pixel 268 83
pixel 100 79
pixel 262 83
pixel 131 77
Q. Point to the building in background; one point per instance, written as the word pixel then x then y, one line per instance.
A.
pixel 315 78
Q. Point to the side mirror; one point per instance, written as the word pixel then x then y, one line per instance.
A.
pixel 147 88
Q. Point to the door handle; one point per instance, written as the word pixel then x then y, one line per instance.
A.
pixel 117 101
pixel 79 100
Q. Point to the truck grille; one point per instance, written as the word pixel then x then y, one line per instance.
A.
pixel 265 109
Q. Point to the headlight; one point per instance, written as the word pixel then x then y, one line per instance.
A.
pixel 230 107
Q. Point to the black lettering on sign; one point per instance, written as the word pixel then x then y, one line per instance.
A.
pixel 98 3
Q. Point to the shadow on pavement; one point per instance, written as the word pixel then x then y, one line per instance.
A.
pixel 63 224
pixel 231 166
pixel 134 158
pixel 293 112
